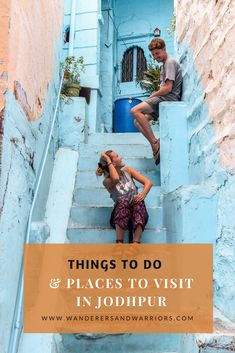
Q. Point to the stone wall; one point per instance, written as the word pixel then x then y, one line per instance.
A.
pixel 30 52
pixel 205 32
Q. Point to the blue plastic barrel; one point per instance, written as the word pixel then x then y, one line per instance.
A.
pixel 123 119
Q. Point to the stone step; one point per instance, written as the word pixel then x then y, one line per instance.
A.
pixel 106 235
pixel 88 178
pixel 124 150
pixel 99 216
pixel 100 197
pixel 222 340
pixel 141 164
pixel 120 343
pixel 119 138
pixel 208 343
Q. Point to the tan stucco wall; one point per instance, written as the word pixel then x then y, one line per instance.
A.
pixel 208 28
pixel 4 25
pixel 30 32
pixel 30 52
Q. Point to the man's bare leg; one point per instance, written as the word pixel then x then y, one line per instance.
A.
pixel 142 114
pixel 139 127
pixel 150 117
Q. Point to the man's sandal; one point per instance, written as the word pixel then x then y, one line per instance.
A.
pixel 156 154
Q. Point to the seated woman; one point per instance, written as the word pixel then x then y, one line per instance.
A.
pixel 129 209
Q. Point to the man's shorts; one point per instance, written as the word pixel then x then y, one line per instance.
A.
pixel 155 101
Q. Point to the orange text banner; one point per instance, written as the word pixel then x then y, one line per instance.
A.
pixel 118 288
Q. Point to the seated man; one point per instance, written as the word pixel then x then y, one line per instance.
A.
pixel 170 90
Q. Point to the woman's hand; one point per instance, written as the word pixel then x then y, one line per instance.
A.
pixel 140 196
pixel 141 179
pixel 106 157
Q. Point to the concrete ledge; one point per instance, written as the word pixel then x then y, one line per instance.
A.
pixel 91 81
pixel 37 343
pixel 72 123
pixel 98 197
pixel 61 194
pixel 190 214
pixel 144 164
pixel 102 235
pixel 222 340
pixel 174 145
pixel 125 150
pixel 121 343
pixel 39 232
pixel 88 177
pixel 131 138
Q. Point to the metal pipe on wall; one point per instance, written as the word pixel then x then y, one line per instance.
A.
pixel 72 27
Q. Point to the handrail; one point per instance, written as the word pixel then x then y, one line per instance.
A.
pixel 17 323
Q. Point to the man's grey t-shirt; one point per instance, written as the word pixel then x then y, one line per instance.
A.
pixel 171 70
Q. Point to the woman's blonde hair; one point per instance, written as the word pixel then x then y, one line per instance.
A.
pixel 103 165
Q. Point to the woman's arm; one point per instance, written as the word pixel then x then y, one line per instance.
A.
pixel 143 180
pixel 110 183
pixel 113 178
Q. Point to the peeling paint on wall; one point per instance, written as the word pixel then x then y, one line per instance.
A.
pixel 21 96
pixel 29 61
pixel 210 35
pixel 205 41
pixel 30 56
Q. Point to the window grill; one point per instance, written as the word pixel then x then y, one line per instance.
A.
pixel 127 66
pixel 141 64
pixel 66 34
pixel 133 64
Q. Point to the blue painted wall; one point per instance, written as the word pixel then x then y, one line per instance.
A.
pixel 88 22
pixel 203 153
pixel 103 31
pixel 106 66
pixel 23 145
pixel 202 210
pixel 135 24
pixel 22 151
pixel 132 25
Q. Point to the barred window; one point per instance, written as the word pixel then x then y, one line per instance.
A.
pixel 141 64
pixel 66 34
pixel 133 64
pixel 127 65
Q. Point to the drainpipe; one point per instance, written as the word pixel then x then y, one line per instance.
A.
pixel 72 27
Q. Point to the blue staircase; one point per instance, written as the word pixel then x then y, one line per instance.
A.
pixel 92 206
pixel 89 223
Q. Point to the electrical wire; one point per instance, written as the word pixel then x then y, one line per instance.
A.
pixel 108 9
